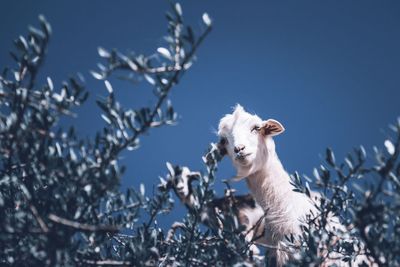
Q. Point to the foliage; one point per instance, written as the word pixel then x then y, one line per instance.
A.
pixel 60 202
pixel 366 197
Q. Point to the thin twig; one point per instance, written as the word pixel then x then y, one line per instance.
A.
pixel 256 226
pixel 142 70
pixel 173 229
pixel 39 219
pixel 106 262
pixel 130 206
pixel 83 226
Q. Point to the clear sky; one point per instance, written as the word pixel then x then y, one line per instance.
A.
pixel 327 70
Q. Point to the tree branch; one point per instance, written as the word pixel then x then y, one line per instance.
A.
pixel 107 262
pixel 39 219
pixel 82 226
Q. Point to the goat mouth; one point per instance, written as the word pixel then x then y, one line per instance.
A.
pixel 242 157
pixel 181 193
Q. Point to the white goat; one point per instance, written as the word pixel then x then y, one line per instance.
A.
pixel 244 207
pixel 248 142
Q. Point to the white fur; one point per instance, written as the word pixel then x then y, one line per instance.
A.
pixel 256 160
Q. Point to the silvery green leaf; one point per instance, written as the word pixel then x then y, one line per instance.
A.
pixel 101 67
pixel 131 148
pixel 36 32
pixel 163 182
pixel 330 157
pixel 102 52
pixel 88 188
pixel 178 9
pixel 58 97
pixel 35 59
pixel 150 79
pixel 132 64
pixel 349 164
pixel 188 65
pixel 170 169
pixel 207 19
pixel 96 75
pixel 50 83
pixel 108 86
pixel 358 187
pixel 316 174
pixel 25 191
pixel 106 118
pixel 395 179
pixel 72 154
pixel 389 147
pixel 59 151
pixel 142 189
pixel 164 52
pixel 17 76
pixel 23 42
pixel 45 24
pixel 363 153
pixel 308 191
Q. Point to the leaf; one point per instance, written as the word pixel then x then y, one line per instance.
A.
pixel 25 191
pixel 316 174
pixel 108 86
pixel 207 19
pixel 358 187
pixel 150 79
pixel 102 52
pixel 17 76
pixel 178 9
pixel 106 118
pixel 330 157
pixel 72 154
pixel 349 164
pixel 164 52
pixel 308 189
pixel 389 147
pixel 45 25
pixel 163 183
pixel 142 189
pixel 50 83
pixel 96 75
pixel 103 106
pixel 395 179
pixel 24 44
pixel 36 32
pixel 132 64
pixel 88 188
pixel 170 169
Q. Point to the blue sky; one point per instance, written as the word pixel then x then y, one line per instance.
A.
pixel 327 70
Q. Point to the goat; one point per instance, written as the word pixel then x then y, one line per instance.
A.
pixel 248 142
pixel 244 207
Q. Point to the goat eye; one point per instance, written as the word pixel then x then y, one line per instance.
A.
pixel 255 128
pixel 223 141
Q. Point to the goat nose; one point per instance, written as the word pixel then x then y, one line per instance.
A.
pixel 239 148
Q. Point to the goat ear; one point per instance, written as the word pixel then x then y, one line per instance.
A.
pixel 194 176
pixel 271 127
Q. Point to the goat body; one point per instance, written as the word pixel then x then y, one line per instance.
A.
pixel 248 142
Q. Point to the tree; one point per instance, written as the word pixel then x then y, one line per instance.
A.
pixel 59 198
